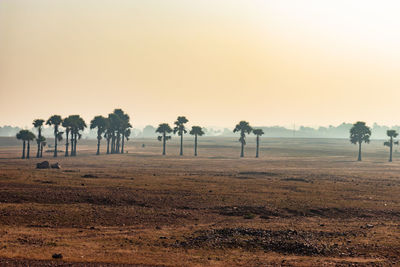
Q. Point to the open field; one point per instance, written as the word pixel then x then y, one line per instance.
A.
pixel 304 202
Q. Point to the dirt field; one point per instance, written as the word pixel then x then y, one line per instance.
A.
pixel 304 202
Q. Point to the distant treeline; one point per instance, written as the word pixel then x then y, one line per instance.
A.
pixel 340 131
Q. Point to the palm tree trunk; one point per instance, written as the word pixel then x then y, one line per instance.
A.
pixel 181 153
pixel 55 143
pixel 23 150
pixel 163 152
pixel 242 150
pixel 258 145
pixel 359 151
pixel 28 149
pixel 118 142
pixel 66 144
pixel 122 143
pixel 38 144
pixel 108 145
pixel 195 145
pixel 98 144
pixel 391 149
pixel 113 143
pixel 75 141
pixel 41 150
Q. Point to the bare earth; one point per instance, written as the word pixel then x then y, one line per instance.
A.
pixel 304 202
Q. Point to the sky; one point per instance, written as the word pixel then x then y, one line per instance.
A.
pixel 303 62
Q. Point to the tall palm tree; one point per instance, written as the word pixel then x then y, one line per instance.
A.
pixel 67 124
pixel 42 144
pixel 21 136
pixel 359 133
pixel 77 125
pixel 243 127
pixel 196 131
pixel 114 122
pixel 26 137
pixel 38 123
pixel 258 133
pixel 55 121
pixel 98 122
pixel 391 134
pixel 125 135
pixel 164 129
pixel 29 137
pixel 180 129
pixel 108 133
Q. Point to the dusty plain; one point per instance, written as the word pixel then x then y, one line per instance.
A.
pixel 304 202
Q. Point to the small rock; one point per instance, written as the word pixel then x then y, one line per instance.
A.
pixel 57 256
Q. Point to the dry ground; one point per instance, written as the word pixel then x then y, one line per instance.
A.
pixel 304 202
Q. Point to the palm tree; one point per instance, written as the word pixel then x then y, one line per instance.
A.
pixel 26 137
pixel 108 133
pixel 258 133
pixel 114 122
pixel 359 133
pixel 55 120
pixel 125 135
pixel 392 134
pixel 196 131
pixel 243 127
pixel 29 137
pixel 21 136
pixel 77 125
pixel 67 124
pixel 42 144
pixel 180 129
pixel 98 122
pixel 38 123
pixel 163 129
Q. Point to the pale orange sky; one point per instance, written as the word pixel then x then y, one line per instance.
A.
pixel 215 61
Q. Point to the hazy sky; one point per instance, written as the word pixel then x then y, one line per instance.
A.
pixel 215 61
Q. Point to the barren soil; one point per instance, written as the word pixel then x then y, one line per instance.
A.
pixel 304 202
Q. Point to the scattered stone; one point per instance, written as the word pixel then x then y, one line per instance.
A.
pixel 56 166
pixel 57 256
pixel 43 165
pixel 89 176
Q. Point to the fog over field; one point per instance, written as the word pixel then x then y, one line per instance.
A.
pixel 199 133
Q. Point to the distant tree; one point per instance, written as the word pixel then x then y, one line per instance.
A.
pixel 38 124
pixel 67 124
pixel 126 134
pixel 29 137
pixel 113 127
pixel 243 127
pixel 391 134
pixel 149 131
pixel 180 129
pixel 108 133
pixel 55 121
pixel 258 133
pixel 98 122
pixel 164 129
pixel 21 136
pixel 77 125
pixel 117 124
pixel 360 133
pixel 196 131
pixel 42 144
pixel 26 137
